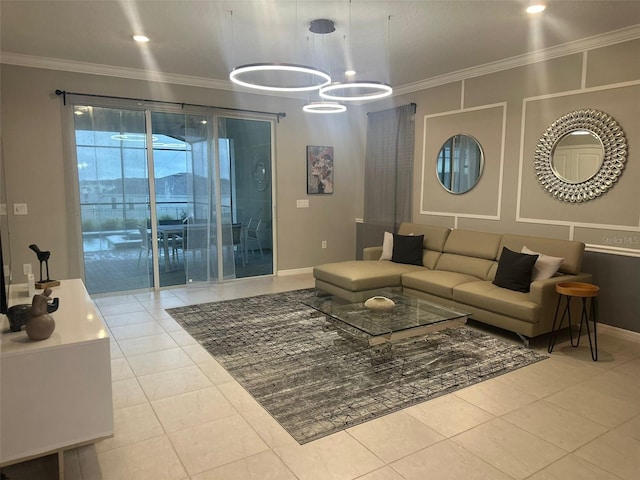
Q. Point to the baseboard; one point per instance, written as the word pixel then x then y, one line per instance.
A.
pixel 619 332
pixel 295 271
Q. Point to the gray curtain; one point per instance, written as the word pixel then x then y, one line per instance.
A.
pixel 388 172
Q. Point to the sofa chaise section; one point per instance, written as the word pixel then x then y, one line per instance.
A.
pixel 357 280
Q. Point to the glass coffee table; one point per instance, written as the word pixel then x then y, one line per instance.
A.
pixel 409 317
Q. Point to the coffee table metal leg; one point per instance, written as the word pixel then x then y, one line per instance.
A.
pixel 381 353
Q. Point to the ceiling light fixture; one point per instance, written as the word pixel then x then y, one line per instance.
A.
pixel 323 26
pixel 357 90
pixel 536 8
pixel 279 77
pixel 324 107
pixel 141 38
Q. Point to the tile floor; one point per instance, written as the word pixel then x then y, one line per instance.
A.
pixel 179 415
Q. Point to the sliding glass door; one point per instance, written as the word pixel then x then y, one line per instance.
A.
pixel 114 198
pixel 155 203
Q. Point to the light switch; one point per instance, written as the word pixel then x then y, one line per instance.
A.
pixel 302 203
pixel 19 208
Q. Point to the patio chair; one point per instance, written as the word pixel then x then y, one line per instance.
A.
pixel 174 239
pixel 238 243
pixel 194 239
pixel 146 243
pixel 253 234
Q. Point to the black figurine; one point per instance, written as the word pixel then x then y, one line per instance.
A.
pixel 44 258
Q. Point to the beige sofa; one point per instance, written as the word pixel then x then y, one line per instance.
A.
pixel 458 269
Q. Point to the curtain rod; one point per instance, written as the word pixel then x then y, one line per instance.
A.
pixel 393 108
pixel 64 94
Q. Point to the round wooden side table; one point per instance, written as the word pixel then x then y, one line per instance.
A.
pixel 583 291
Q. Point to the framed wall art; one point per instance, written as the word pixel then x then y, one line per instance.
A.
pixel 319 170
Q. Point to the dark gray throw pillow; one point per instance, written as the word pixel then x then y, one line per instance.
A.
pixel 514 270
pixel 407 249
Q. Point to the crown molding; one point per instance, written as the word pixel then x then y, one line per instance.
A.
pixel 598 41
pixel 579 46
pixel 111 71
pixel 129 73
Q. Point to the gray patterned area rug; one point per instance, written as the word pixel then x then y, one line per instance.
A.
pixel 316 380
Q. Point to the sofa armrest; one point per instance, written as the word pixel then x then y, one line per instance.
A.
pixel 541 289
pixel 372 253
pixel 543 293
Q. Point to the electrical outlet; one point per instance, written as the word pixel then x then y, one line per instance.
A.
pixel 19 208
pixel 302 203
pixel 324 244
pixel 26 269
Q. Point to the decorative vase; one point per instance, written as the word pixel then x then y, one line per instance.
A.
pixel 40 327
pixel 379 303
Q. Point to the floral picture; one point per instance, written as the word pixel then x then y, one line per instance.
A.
pixel 319 170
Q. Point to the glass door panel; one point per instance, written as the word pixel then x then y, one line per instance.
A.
pixel 114 198
pixel 245 157
pixel 184 197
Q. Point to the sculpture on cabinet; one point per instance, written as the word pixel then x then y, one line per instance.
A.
pixel 43 257
pixel 19 315
pixel 40 325
pixel 38 313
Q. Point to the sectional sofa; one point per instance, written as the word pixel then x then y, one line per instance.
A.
pixel 458 269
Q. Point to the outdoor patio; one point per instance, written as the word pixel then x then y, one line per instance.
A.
pixel 111 268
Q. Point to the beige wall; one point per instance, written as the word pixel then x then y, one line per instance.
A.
pixel 35 163
pixel 534 96
pixel 38 171
pixel 531 97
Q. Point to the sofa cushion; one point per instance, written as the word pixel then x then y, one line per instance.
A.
pixel 407 249
pixel 356 275
pixel 476 267
pixel 487 296
pixel 434 237
pixel 515 270
pixel 387 246
pixel 570 250
pixel 436 282
pixel 473 244
pixel 545 267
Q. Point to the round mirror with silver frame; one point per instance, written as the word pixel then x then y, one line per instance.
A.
pixel 460 163
pixel 560 168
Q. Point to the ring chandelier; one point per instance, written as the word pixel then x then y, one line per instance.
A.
pixel 290 77
pixel 353 91
pixel 279 77
pixel 324 107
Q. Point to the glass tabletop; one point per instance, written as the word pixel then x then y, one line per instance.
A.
pixel 408 312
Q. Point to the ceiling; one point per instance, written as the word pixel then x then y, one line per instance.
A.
pixel 203 40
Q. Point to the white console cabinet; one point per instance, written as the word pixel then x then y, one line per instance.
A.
pixel 55 393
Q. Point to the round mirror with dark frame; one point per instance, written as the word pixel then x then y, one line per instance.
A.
pixel 580 156
pixel 460 163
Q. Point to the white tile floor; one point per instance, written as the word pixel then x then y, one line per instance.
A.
pixel 179 415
